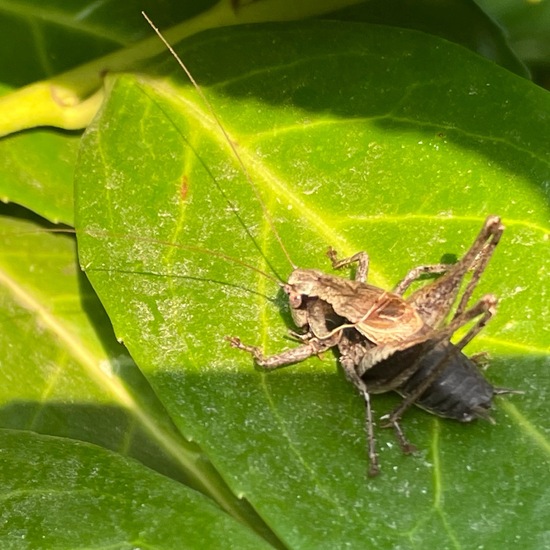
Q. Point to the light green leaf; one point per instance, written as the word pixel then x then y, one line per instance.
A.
pixel 36 168
pixel 58 493
pixel 37 171
pixel 359 137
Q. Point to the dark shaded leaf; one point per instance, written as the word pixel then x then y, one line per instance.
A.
pixel 75 495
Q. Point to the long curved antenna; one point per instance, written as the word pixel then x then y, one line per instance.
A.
pixel 215 254
pixel 226 136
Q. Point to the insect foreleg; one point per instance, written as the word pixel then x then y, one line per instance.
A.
pixel 321 318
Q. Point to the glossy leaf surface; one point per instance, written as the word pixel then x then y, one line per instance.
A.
pixel 390 141
pixel 36 167
pixel 64 374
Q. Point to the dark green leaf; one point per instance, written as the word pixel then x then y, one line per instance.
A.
pixel 58 493
pixel 40 43
pixel 527 25
pixel 460 21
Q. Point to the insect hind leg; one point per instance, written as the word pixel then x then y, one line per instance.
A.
pixel 485 308
pixel 406 446
pixel 434 301
pixel 490 235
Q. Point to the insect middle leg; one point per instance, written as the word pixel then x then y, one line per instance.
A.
pixel 361 258
pixel 352 347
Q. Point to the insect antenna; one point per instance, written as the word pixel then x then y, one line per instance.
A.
pixel 228 139
pixel 214 253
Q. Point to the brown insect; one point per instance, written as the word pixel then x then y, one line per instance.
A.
pixel 389 343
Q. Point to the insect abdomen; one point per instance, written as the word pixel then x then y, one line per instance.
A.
pixel 459 391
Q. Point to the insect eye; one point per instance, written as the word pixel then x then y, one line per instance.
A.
pixel 294 299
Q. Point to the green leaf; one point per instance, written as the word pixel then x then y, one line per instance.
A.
pixel 64 374
pixel 37 171
pixel 58 493
pixel 527 24
pixel 379 139
pixel 38 44
pixel 36 168
pixel 459 21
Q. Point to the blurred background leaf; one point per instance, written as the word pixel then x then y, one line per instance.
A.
pixel 527 25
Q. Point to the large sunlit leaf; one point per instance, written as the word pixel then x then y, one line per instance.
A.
pixel 36 168
pixel 358 137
